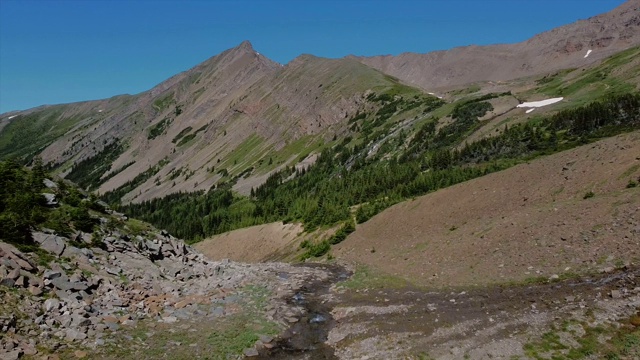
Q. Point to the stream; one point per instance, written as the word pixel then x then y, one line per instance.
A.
pixel 306 338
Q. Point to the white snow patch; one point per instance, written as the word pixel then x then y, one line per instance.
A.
pixel 530 110
pixel 541 103
pixel 100 111
pixel 588 52
pixel 11 117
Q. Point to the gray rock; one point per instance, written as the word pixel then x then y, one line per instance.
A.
pixel 616 294
pixel 8 282
pixel 112 326
pixel 169 319
pixel 25 264
pixel 65 321
pixel 72 335
pixel 51 304
pixel 8 263
pixel 50 184
pixel 79 286
pixel 14 274
pixel 21 282
pixel 250 352
pixel 53 244
pixel 167 249
pixel 79 320
pixel 51 199
pixel 266 339
pixel 12 355
pixel 62 283
pixel 29 350
pixel 83 237
pixel 113 271
pixel 153 247
pixel 35 291
pixel 51 274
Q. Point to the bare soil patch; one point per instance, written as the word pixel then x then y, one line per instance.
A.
pixel 252 244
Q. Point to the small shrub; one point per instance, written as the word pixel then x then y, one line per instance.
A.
pixel 632 184
pixel 588 195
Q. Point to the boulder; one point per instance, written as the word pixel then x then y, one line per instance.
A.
pixel 14 274
pixel 7 282
pixel 51 274
pixel 73 334
pixel 616 294
pixel 14 258
pixel 62 283
pixel 50 199
pixel 21 282
pixel 35 291
pixel 24 264
pixel 79 320
pixel 51 304
pixel 51 243
pixel 12 355
pixel 50 184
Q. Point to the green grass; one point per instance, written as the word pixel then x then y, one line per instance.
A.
pixel 182 133
pixel 597 342
pixel 186 140
pixel 244 155
pixel 366 277
pixel 159 128
pixel 27 135
pixel 218 338
pixel 584 86
pixel 630 171
pixel 137 227
pixel 164 102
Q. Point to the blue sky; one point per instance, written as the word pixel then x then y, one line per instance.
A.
pixel 64 51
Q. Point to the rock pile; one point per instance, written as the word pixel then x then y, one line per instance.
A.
pixel 86 294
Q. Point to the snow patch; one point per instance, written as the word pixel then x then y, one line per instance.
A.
pixel 530 110
pixel 541 103
pixel 100 111
pixel 588 52
pixel 11 117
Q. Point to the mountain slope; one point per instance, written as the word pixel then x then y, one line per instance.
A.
pixel 529 221
pixel 236 117
pixel 560 48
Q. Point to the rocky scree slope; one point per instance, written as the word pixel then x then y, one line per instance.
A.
pixel 78 293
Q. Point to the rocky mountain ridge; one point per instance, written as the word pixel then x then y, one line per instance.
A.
pixel 185 134
pixel 569 46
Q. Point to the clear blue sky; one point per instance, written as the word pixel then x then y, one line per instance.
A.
pixel 63 51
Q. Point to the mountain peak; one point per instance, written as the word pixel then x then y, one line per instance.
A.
pixel 245 45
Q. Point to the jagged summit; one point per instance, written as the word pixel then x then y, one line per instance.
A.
pixel 245 45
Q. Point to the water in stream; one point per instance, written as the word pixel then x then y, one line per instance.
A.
pixel 306 338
